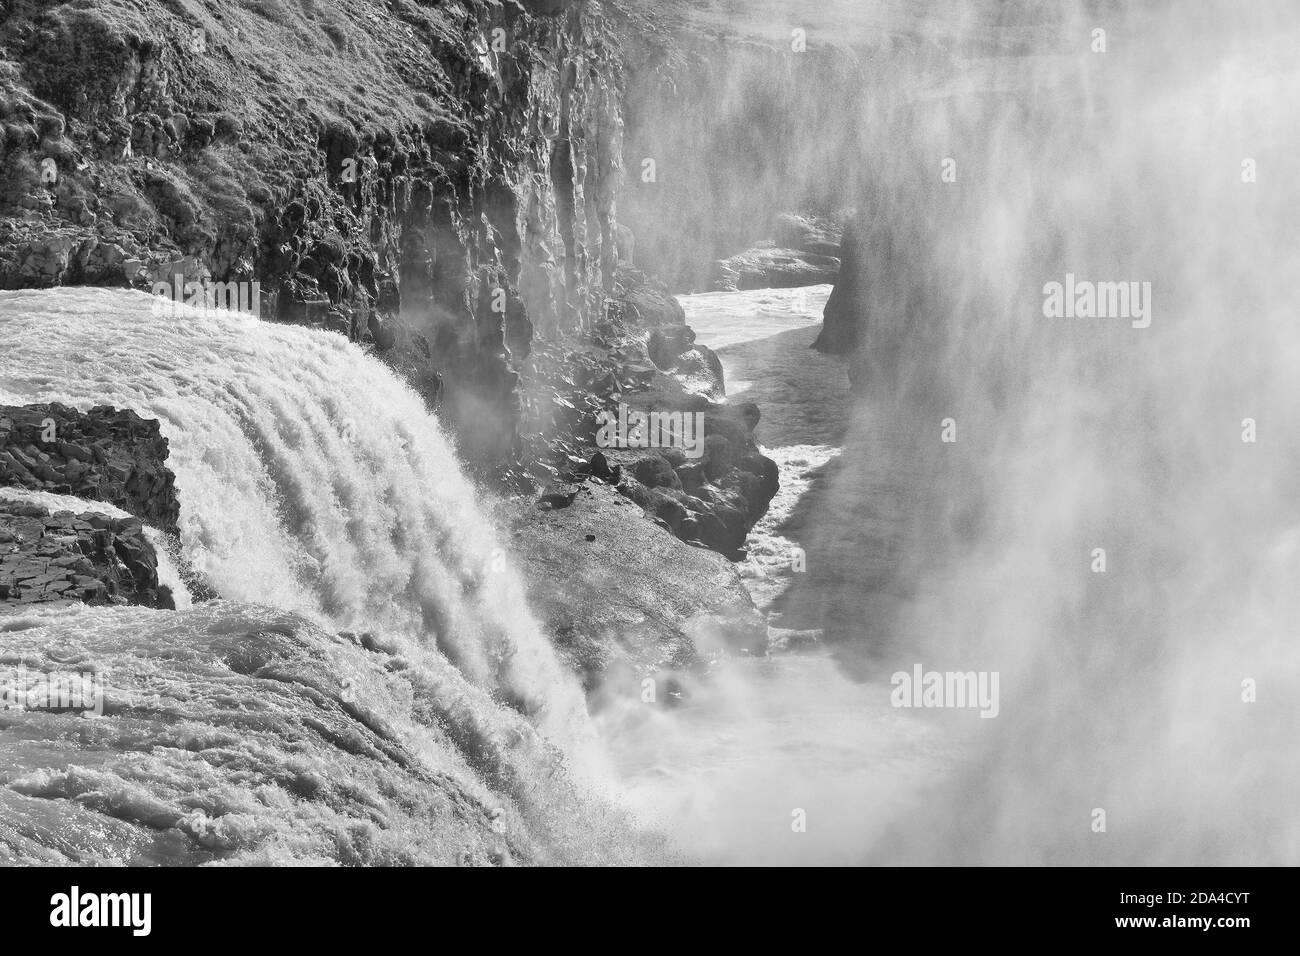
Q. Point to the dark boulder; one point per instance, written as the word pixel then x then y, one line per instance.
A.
pixel 699 371
pixel 654 471
pixel 646 302
pixel 667 343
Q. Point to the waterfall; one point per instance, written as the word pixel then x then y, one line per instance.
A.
pixel 313 481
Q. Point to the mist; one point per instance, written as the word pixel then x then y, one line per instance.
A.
pixel 1001 292
pixel 1102 510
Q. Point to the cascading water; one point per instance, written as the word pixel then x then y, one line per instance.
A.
pixel 312 481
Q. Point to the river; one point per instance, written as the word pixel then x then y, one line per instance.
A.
pixel 792 758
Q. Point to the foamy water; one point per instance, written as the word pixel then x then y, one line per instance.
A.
pixel 763 339
pixel 788 759
pixel 318 496
pixel 313 480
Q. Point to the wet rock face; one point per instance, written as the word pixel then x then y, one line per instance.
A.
pixel 645 410
pixel 646 301
pixel 668 344
pixel 65 557
pixel 709 495
pixel 105 454
pixel 622 604
pixel 435 179
pixel 805 251
pixel 845 314
pixel 769 267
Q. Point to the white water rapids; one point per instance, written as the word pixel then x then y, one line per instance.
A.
pixel 765 743
pixel 313 482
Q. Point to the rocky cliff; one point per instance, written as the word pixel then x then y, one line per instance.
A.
pixel 727 129
pixel 437 179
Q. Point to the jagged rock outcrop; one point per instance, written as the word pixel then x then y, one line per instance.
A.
pixel 105 454
pixel 805 251
pixel 708 494
pixel 711 497
pixel 845 311
pixel 65 557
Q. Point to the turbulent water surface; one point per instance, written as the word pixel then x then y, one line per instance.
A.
pixel 792 759
pixel 319 497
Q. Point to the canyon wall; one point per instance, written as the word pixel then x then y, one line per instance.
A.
pixel 739 116
pixel 436 179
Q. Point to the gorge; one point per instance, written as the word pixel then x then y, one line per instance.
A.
pixel 371 572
